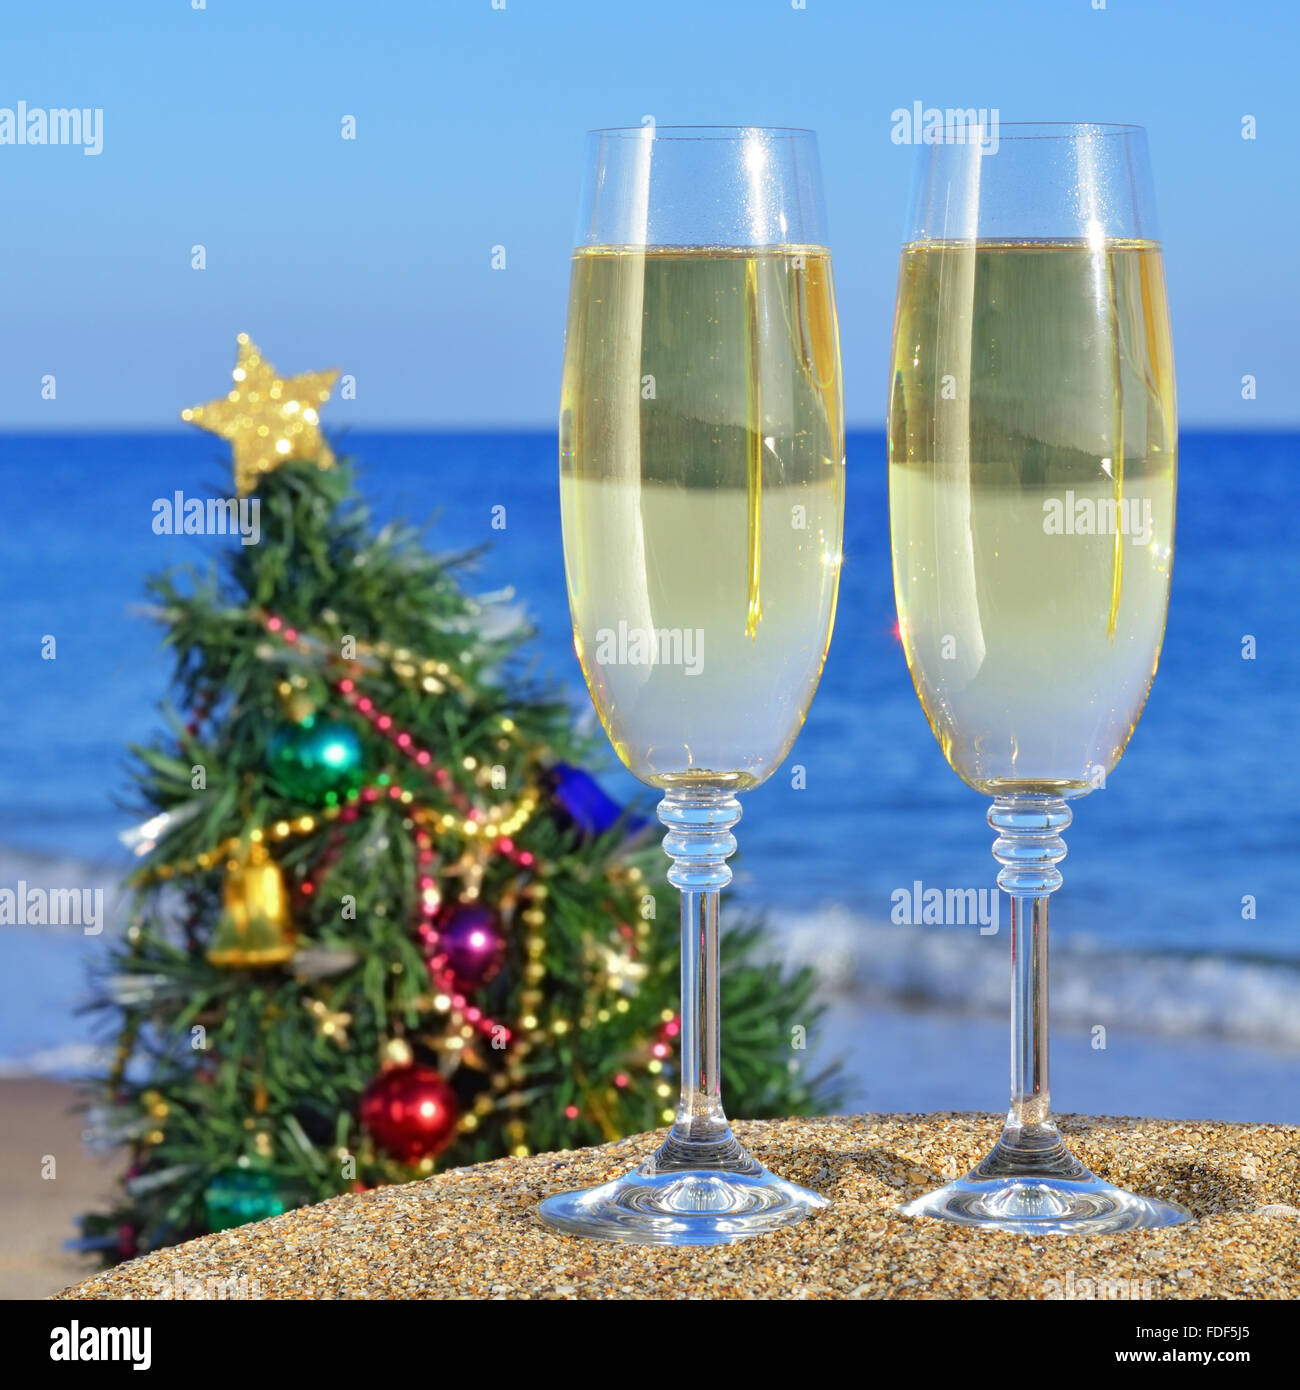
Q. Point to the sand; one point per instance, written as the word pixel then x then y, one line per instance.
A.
pixel 38 1214
pixel 474 1233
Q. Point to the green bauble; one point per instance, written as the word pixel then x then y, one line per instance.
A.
pixel 236 1196
pixel 312 759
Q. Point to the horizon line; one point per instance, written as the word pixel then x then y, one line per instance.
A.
pixel 181 430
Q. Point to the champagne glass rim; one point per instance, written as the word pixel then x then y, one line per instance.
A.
pixel 698 132
pixel 1063 130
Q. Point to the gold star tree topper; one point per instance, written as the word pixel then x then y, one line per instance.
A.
pixel 268 419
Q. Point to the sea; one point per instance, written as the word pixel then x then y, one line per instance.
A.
pixel 1176 935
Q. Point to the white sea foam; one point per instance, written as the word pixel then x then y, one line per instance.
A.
pixel 956 970
pixel 948 970
pixel 72 1059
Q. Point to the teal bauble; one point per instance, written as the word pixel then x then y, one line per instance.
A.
pixel 310 760
pixel 236 1196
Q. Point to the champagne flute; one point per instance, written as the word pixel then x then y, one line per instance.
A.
pixel 702 492
pixel 1032 465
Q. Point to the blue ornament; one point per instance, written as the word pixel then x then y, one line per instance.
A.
pixel 586 805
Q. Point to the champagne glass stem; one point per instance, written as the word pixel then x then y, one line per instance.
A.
pixel 699 841
pixel 1029 847
pixel 1031 1099
pixel 700 1106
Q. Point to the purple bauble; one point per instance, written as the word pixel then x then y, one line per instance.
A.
pixel 474 947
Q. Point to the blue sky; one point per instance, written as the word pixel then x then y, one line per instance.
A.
pixel 222 128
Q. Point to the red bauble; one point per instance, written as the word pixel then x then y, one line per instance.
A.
pixel 410 1112
pixel 128 1241
pixel 470 944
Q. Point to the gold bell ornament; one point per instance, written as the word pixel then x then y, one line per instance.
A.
pixel 254 930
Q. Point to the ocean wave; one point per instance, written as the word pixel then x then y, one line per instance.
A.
pixel 955 970
pixel 861 961
pixel 65 1062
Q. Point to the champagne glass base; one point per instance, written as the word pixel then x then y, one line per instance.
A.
pixel 661 1203
pixel 1044 1205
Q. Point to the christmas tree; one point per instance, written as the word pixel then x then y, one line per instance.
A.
pixel 383 920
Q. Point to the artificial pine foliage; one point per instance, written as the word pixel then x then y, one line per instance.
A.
pixel 370 937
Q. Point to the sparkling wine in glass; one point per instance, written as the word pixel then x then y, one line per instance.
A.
pixel 1032 467
pixel 702 492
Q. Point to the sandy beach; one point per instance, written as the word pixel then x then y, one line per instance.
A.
pixel 1136 1072
pixel 38 1214
pixel 474 1232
